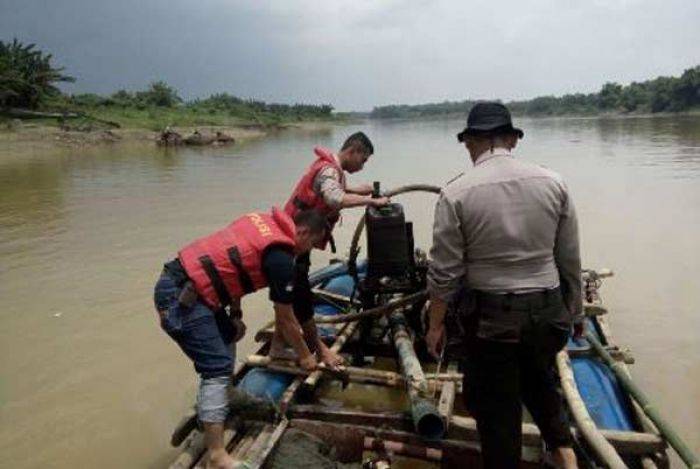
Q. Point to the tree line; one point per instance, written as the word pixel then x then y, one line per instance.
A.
pixel 28 80
pixel 662 94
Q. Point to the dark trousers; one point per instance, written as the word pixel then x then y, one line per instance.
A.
pixel 500 376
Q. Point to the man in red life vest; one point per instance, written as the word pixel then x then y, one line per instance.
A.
pixel 213 273
pixel 324 188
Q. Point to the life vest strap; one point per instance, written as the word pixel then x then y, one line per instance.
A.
pixel 300 204
pixel 215 279
pixel 246 282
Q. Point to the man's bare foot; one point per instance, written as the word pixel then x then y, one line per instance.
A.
pixel 220 459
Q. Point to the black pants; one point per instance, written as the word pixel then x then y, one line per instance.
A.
pixel 501 376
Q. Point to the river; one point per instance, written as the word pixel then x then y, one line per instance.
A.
pixel 86 376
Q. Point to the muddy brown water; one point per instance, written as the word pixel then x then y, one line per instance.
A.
pixel 86 376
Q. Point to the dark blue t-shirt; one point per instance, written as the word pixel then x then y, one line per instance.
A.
pixel 278 267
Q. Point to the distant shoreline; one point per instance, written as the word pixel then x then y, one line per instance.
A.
pixel 23 136
pixel 605 115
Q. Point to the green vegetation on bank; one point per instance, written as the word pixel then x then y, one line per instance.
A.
pixel 160 106
pixel 662 94
pixel 28 79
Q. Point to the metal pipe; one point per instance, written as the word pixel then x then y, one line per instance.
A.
pixel 665 428
pixel 426 418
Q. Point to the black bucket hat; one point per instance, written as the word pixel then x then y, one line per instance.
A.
pixel 489 118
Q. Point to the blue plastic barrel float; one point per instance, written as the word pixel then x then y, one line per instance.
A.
pixel 605 400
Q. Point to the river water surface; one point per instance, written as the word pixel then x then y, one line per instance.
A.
pixel 88 379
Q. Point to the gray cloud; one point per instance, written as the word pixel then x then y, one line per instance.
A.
pixel 359 53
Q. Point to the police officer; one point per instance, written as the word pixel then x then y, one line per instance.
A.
pixel 212 273
pixel 505 258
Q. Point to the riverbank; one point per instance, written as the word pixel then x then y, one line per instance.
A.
pixel 40 135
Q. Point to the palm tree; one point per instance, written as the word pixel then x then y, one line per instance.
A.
pixel 27 76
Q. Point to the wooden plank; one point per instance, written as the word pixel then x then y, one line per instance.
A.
pixel 258 444
pixel 256 457
pixel 464 428
pixel 242 446
pixel 193 449
pixel 229 435
pixel 348 443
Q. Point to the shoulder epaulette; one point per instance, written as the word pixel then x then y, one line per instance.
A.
pixel 454 178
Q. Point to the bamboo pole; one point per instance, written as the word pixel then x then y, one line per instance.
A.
pixel 265 332
pixel 329 297
pixel 603 449
pixel 426 418
pixel 378 311
pixel 354 374
pixel 673 438
pixel 293 388
pixel 311 380
pixel 447 397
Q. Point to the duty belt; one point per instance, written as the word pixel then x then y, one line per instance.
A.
pixel 509 301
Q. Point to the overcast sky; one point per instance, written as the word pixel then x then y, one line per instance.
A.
pixel 356 54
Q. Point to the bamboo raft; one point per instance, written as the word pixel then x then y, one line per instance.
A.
pixel 610 425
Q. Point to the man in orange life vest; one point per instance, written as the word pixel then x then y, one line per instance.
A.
pixel 214 272
pixel 323 188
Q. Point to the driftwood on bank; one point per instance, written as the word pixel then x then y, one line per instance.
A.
pixel 28 114
pixel 172 138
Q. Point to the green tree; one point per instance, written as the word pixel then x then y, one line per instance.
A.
pixel 687 90
pixel 610 96
pixel 27 76
pixel 159 94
